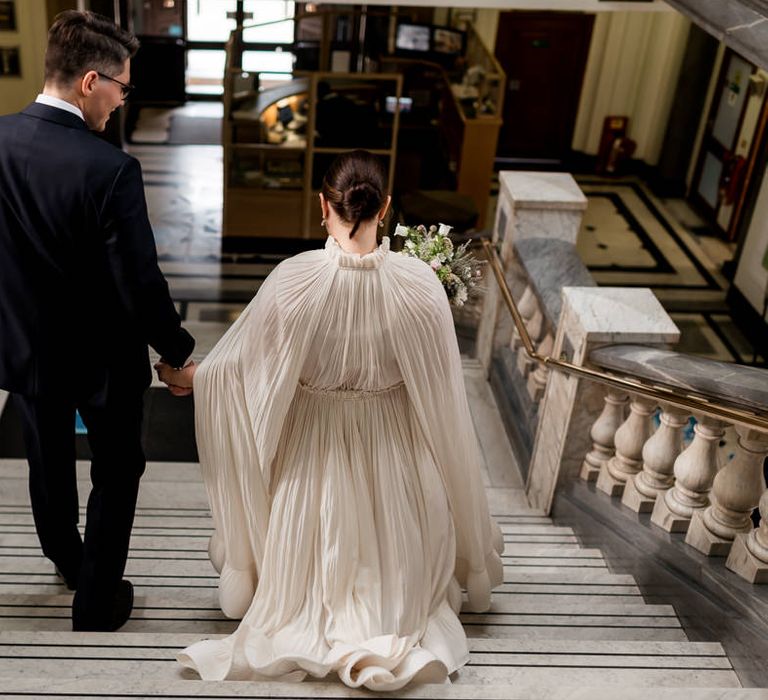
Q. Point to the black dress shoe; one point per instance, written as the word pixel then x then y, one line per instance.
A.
pixel 70 583
pixel 116 618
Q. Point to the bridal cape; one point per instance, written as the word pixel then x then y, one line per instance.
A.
pixel 343 474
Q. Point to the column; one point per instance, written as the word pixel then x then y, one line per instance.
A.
pixel 591 316
pixel 530 204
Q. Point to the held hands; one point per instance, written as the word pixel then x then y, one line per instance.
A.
pixel 179 381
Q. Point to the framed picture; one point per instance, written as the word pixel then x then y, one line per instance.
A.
pixel 7 16
pixel 10 64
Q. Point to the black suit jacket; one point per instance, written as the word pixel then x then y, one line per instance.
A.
pixel 81 294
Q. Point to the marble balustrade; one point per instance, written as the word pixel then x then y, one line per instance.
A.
pixel 687 490
pixel 563 427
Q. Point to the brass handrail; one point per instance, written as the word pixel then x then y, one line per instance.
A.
pixel 698 403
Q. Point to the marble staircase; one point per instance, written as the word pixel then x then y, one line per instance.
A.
pixel 563 625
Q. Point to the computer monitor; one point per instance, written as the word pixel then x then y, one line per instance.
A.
pixel 406 103
pixel 448 42
pixel 413 37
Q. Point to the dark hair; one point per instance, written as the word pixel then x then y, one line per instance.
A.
pixel 355 186
pixel 83 41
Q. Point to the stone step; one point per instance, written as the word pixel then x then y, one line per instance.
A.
pixel 515 661
pixel 206 599
pixel 559 562
pixel 199 612
pixel 25 546
pixel 18 574
pixel 154 494
pixel 19 518
pixel 574 594
pixel 19 515
pixel 109 688
pixel 532 519
pixel 542 539
pixel 29 563
pixel 522 528
pixel 180 484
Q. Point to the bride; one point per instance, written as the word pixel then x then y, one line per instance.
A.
pixel 341 464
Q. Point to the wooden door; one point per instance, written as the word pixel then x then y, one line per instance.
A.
pixel 544 55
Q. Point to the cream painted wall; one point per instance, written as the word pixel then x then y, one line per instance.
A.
pixel 486 25
pixel 31 36
pixel 632 70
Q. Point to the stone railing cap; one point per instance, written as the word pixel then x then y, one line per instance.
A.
pixel 552 264
pixel 534 190
pixel 734 384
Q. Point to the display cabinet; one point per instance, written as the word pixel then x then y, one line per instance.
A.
pixel 279 140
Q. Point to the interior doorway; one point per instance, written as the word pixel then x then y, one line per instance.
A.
pixel 183 44
pixel 268 35
pixel 544 55
pixel 734 128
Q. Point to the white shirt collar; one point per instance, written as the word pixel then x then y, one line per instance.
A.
pixel 52 101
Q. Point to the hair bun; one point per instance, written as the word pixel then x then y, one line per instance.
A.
pixel 355 186
pixel 362 198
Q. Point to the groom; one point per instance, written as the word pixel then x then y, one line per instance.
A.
pixel 81 297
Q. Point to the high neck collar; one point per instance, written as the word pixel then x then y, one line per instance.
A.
pixel 368 261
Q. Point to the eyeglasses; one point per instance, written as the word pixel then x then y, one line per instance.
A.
pixel 125 88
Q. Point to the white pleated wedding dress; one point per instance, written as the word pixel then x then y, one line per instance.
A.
pixel 344 478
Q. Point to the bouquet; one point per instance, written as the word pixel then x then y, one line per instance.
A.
pixel 457 268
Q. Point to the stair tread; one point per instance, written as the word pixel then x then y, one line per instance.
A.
pixel 138 687
pixel 38 566
pixel 208 601
pixel 158 641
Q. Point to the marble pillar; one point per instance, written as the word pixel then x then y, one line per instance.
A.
pixel 530 204
pixel 590 317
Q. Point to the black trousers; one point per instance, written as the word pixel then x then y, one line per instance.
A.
pixel 113 418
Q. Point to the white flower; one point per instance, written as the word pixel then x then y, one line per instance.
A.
pixel 401 230
pixel 444 229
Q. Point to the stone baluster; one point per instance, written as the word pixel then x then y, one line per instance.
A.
pixel 695 470
pixel 537 381
pixel 535 328
pixel 602 434
pixel 736 492
pixel 629 440
pixel 749 555
pixel 534 322
pixel 526 305
pixel 659 455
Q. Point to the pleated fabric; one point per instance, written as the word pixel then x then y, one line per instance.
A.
pixel 344 478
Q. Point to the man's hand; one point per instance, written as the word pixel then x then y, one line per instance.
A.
pixel 179 381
